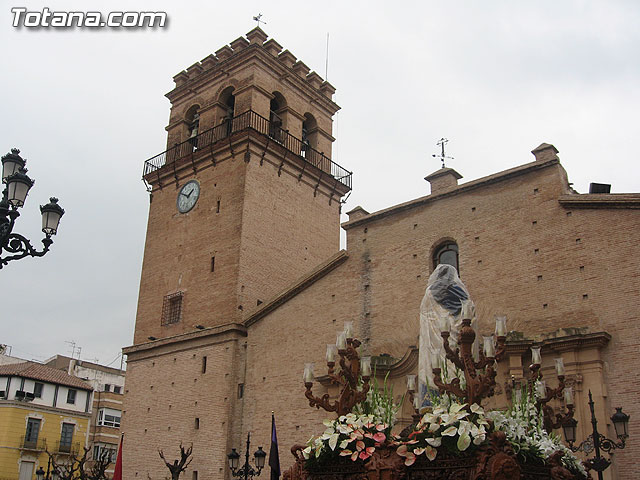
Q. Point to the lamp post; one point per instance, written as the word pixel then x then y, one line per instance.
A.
pixel 17 186
pixel 246 471
pixel 40 474
pixel 596 441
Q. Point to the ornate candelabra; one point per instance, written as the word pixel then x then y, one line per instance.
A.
pixel 351 367
pixel 479 375
pixel 596 441
pixel 551 420
pixel 18 184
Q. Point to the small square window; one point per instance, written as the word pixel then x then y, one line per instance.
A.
pixel 172 308
pixel 107 387
pixel 71 396
pixel 117 389
pixel 204 364
pixel 240 390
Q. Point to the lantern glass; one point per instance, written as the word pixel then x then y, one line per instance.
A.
pixel 365 366
pixel 411 383
pixel 501 326
pixel 260 457
pixel 489 348
pixel 568 396
pixel 569 430
pixel 348 329
pixel 332 350
pixel 18 186
pixel 436 359
pixel 40 474
pixel 11 163
pixel 559 366
pixel 341 341
pixel 308 373
pixel 233 458
pixel 621 423
pixel 536 358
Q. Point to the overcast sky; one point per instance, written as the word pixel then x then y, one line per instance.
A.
pixel 87 107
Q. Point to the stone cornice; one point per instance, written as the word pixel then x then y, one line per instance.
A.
pixel 601 200
pixel 231 330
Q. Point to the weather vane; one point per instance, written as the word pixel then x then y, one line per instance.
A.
pixel 257 19
pixel 442 156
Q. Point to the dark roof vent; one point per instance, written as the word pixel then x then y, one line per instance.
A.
pixel 599 188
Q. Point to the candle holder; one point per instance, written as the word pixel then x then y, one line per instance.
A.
pixel 551 420
pixel 478 385
pixel 347 378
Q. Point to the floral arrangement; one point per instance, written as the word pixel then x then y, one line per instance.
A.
pixel 449 425
pixel 351 435
pixel 522 424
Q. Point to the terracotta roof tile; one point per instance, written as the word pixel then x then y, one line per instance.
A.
pixel 36 371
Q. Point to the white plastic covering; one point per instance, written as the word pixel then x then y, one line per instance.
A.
pixel 444 301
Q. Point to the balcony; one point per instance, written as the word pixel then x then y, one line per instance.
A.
pixel 247 121
pixel 67 448
pixel 37 445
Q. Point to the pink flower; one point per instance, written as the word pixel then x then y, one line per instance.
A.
pixel 379 437
pixel 359 445
pixel 364 455
pixel 381 428
pixel 354 456
pixel 345 453
pixel 410 459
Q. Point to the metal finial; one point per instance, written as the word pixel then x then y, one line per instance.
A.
pixel 442 156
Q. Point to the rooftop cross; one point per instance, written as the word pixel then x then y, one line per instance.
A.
pixel 257 19
pixel 442 156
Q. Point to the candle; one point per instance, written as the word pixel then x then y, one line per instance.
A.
pixel 541 389
pixel 365 366
pixel 501 326
pixel 348 329
pixel 411 383
pixel 443 323
pixel 417 403
pixel 560 366
pixel 568 396
pixel 489 350
pixel 341 342
pixel 331 353
pixel 536 358
pixel 435 358
pixel 308 373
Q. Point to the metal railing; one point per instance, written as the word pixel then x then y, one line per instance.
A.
pixel 39 444
pixel 67 448
pixel 253 121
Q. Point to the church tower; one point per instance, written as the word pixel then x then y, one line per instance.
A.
pixel 244 201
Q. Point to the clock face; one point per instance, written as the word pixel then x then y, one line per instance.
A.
pixel 188 196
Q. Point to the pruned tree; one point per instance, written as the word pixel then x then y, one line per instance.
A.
pixel 178 466
pixel 80 468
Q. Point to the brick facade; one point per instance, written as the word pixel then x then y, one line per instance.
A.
pixel 562 267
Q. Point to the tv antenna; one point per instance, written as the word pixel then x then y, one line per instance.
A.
pixel 442 142
pixel 257 19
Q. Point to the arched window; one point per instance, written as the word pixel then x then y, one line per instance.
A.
pixel 309 134
pixel 193 123
pixel 275 120
pixel 228 101
pixel 446 253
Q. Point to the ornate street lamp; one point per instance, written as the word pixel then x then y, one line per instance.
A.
pixel 18 184
pixel 596 441
pixel 40 474
pixel 246 471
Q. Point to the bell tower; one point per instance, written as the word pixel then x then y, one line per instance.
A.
pixel 245 199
